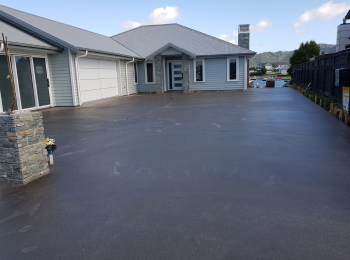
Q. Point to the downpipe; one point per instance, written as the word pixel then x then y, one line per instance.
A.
pixel 78 76
pixel 126 74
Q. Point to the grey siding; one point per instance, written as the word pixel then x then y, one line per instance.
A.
pixel 60 79
pixel 216 75
pixel 142 86
pixel 74 75
pixel 131 81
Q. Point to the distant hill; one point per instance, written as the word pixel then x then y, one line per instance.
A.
pixel 283 56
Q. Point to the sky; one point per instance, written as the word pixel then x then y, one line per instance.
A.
pixel 275 25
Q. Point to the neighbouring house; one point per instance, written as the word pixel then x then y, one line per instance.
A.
pixel 56 64
pixel 283 70
pixel 268 66
pixel 280 64
pixel 343 34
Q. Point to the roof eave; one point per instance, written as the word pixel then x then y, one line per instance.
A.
pixel 248 55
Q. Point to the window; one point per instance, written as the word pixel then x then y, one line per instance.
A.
pixel 135 72
pixel 199 70
pixel 232 69
pixel 150 73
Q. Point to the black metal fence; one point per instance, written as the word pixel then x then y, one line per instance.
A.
pixel 321 73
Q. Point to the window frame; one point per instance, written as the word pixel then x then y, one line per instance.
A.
pixel 154 72
pixel 228 68
pixel 194 70
pixel 136 72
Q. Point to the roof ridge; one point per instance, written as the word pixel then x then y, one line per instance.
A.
pixel 51 20
pixel 145 25
pixel 127 47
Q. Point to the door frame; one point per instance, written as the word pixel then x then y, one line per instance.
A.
pixel 35 92
pixel 167 73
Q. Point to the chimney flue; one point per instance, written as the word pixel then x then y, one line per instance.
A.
pixel 243 36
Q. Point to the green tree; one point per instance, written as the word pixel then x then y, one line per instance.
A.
pixel 305 52
pixel 263 70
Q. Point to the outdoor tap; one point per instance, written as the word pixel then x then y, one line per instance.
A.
pixel 50 147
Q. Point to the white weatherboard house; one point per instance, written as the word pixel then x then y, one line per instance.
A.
pixel 60 65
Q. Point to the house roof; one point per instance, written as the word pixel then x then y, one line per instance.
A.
pixel 284 68
pixel 20 38
pixel 281 63
pixel 65 35
pixel 145 40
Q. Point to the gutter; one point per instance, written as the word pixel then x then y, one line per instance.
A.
pixel 126 74
pixel 77 72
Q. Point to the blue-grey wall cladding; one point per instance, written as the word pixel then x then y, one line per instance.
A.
pixel 215 76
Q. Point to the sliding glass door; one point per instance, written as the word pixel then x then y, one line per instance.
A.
pixel 5 85
pixel 25 82
pixel 42 81
pixel 31 82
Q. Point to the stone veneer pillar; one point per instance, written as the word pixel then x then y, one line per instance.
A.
pixel 23 157
pixel 159 74
pixel 186 73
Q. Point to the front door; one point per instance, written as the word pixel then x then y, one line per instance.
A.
pixel 176 75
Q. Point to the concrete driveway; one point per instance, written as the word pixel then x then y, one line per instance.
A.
pixel 263 174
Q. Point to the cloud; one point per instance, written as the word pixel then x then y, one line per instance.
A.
pixel 224 37
pixel 229 38
pixel 325 12
pixel 130 25
pixel 300 31
pixel 158 16
pixel 334 31
pixel 261 26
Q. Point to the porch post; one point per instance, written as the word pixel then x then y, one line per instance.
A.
pixel 186 73
pixel 159 74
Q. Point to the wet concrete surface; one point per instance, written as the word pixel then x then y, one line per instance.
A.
pixel 262 174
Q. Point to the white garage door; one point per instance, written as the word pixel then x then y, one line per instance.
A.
pixel 98 79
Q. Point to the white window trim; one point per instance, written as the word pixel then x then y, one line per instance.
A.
pixel 194 70
pixel 228 68
pixel 137 73
pixel 154 72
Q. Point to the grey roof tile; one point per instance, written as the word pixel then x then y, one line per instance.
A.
pixel 75 36
pixel 18 37
pixel 144 40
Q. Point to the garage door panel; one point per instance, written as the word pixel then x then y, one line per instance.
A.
pixel 98 79
pixel 89 74
pixel 90 95
pixel 105 64
pixel 108 92
pixel 109 83
pixel 108 74
pixel 88 63
pixel 90 84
